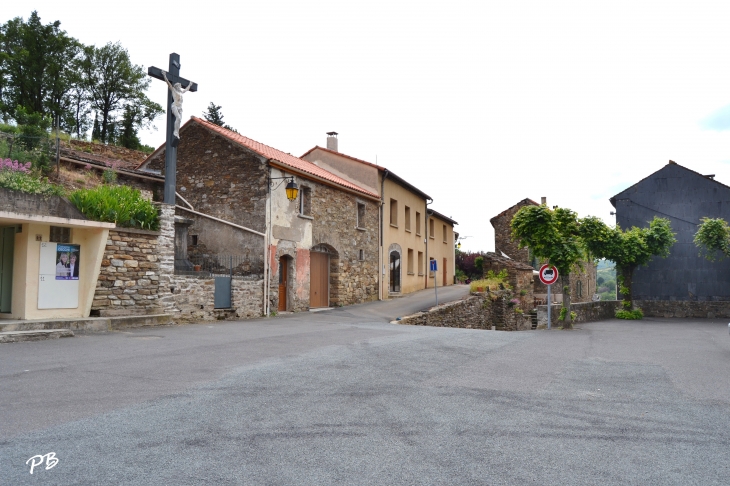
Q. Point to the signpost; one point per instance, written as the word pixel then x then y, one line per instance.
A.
pixel 548 275
pixel 433 267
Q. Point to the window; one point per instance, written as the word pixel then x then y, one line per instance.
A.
pixel 60 235
pixel 361 255
pixel 305 201
pixel 418 223
pixel 410 261
pixel 430 228
pixel 360 215
pixel 394 212
pixel 408 219
pixel 420 263
pixel 444 233
pixel 580 288
pixel 194 239
pixel 430 259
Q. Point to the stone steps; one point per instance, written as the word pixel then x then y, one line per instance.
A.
pixel 34 335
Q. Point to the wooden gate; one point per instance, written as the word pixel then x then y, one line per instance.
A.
pixel 319 277
pixel 283 280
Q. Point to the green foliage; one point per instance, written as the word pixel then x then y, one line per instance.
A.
pixel 573 315
pixel 713 238
pixel 635 314
pixel 117 204
pixel 30 183
pixel 479 263
pixel 563 313
pixel 460 276
pixel 493 281
pixel 550 235
pixel 109 176
pixel 215 116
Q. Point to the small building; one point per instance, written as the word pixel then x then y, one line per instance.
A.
pixel 411 234
pixel 50 256
pixel 684 197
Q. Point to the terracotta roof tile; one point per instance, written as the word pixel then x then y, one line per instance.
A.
pixel 282 157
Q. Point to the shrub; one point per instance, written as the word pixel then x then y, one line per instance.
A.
pixel 117 204
pixel 18 177
pixel 635 314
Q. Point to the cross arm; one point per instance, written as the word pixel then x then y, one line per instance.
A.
pixel 157 73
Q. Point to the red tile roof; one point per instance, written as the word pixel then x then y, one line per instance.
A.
pixel 277 156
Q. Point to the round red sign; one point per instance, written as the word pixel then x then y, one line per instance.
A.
pixel 548 274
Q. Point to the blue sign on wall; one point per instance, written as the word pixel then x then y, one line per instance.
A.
pixel 433 265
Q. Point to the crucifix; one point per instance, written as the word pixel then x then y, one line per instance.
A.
pixel 174 117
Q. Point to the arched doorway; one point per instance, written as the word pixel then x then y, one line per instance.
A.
pixel 395 267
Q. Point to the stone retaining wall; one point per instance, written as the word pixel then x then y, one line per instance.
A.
pixel 130 276
pixel 684 308
pixel 478 311
pixel 194 298
pixel 586 312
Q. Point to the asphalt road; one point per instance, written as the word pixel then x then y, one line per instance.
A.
pixel 344 397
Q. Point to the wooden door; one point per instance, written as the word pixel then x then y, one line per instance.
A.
pixel 283 280
pixel 443 270
pixel 7 248
pixel 318 279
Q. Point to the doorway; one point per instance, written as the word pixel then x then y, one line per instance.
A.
pixel 394 272
pixel 283 282
pixel 319 277
pixel 7 249
pixel 443 270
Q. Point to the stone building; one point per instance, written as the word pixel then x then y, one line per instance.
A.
pixel 582 281
pixel 320 250
pixel 684 197
pixel 411 233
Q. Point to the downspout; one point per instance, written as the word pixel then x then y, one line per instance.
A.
pixel 427 230
pixel 267 246
pixel 381 262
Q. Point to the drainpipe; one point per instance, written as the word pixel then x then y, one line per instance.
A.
pixel 427 231
pixel 267 246
pixel 381 260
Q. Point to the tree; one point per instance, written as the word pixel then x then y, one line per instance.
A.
pixel 713 237
pixel 629 249
pixel 37 67
pixel 214 115
pixel 114 83
pixel 551 235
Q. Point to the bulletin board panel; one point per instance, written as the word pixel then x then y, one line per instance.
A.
pixel 52 292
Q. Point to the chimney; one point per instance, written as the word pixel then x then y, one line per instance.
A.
pixel 543 201
pixel 332 141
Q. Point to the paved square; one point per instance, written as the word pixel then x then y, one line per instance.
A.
pixel 344 397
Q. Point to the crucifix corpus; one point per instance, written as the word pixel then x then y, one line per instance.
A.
pixel 174 117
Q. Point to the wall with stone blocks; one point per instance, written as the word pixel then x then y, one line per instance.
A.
pixel 684 308
pixel 130 275
pixel 194 299
pixel 586 312
pixel 478 311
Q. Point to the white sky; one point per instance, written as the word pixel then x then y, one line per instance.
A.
pixel 479 104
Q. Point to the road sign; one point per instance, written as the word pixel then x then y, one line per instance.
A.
pixel 548 274
pixel 433 265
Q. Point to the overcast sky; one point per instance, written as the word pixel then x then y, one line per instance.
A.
pixel 479 104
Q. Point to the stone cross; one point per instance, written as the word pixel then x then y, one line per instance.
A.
pixel 173 77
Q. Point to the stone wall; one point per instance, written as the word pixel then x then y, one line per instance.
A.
pixel 335 225
pixel 194 298
pixel 586 312
pixel 503 241
pixel 684 308
pixel 219 178
pixel 129 279
pixel 478 311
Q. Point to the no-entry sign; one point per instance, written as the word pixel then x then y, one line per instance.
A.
pixel 548 274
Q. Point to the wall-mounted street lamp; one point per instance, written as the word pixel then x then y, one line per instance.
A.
pixel 458 243
pixel 292 190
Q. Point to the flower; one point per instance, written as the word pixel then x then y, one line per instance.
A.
pixel 14 165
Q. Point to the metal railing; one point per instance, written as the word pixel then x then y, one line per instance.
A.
pixel 204 265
